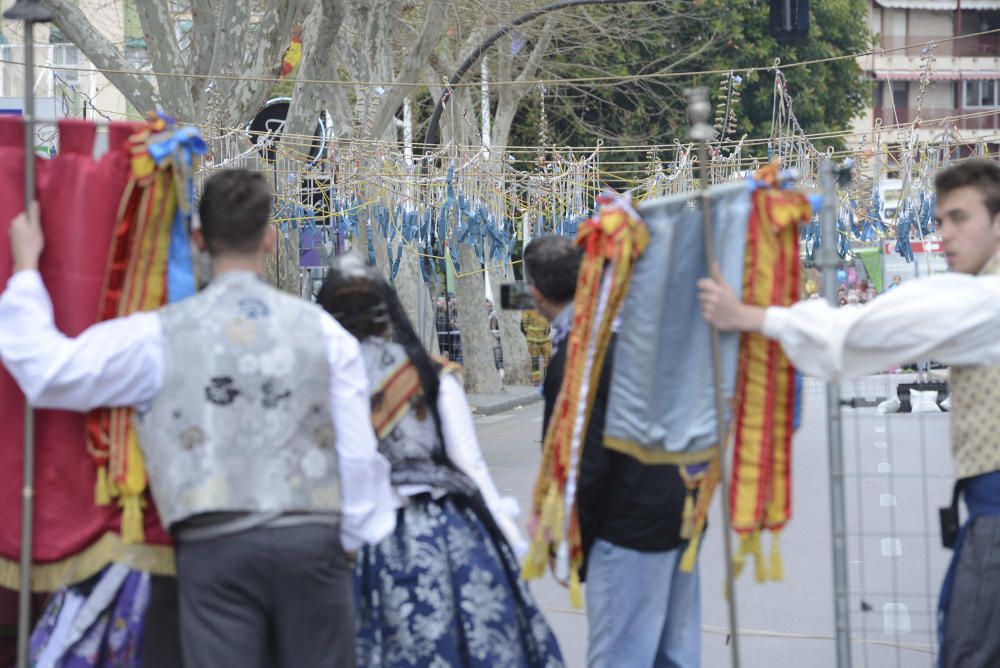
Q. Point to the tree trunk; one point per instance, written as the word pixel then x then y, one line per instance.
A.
pixel 319 34
pixel 477 342
pixel 282 269
pixel 412 291
pixel 516 360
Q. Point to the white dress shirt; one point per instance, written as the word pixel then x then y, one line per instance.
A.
pixel 120 363
pixel 951 318
pixel 462 447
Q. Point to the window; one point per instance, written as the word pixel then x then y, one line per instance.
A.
pixel 982 46
pixel 67 55
pixel 182 31
pixel 900 94
pixel 136 54
pixel 982 93
pixel 974 21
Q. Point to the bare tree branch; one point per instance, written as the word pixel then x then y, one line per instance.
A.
pixel 413 66
pixel 161 43
pixel 98 49
pixel 511 96
pixel 269 38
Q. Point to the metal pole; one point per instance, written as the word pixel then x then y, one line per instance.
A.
pixel 828 261
pixel 30 12
pixel 28 479
pixel 698 111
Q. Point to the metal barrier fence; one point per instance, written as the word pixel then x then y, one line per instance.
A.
pixel 897 472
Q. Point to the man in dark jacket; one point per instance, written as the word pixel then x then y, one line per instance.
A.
pixel 642 611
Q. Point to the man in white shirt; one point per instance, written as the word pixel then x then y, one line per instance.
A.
pixel 955 319
pixel 253 416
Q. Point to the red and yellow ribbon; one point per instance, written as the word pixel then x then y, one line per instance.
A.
pixel 611 243
pixel 765 391
pixel 136 280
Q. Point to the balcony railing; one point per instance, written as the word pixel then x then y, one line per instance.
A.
pixel 981 118
pixel 983 46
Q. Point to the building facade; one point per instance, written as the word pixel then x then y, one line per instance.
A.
pixel 76 89
pixel 962 92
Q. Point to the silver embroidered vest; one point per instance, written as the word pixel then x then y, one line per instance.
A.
pixel 242 422
pixel 412 445
pixel 975 422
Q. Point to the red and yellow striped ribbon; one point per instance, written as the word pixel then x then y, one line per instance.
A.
pixel 765 394
pixel 136 280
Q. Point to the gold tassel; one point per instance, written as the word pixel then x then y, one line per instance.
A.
pixel 687 518
pixel 690 554
pixel 535 561
pixel 575 592
pixel 102 492
pixel 132 529
pixel 559 520
pixel 760 572
pixel 777 565
pixel 740 558
pixel 550 508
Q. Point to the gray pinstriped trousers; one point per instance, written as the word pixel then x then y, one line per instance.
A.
pixel 277 597
pixel 972 632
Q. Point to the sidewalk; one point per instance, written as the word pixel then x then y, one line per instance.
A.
pixel 509 398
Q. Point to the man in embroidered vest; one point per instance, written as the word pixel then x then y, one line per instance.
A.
pixel 641 611
pixel 253 416
pixel 955 319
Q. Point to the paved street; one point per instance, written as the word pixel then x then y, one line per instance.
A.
pixel 898 473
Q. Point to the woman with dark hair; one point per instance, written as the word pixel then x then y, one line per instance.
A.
pixel 444 588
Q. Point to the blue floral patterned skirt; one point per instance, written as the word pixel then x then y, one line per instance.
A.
pixel 444 591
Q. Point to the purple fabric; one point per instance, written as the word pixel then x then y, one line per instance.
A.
pixel 113 640
pixel 313 250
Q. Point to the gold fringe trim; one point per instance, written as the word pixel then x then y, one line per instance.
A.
pixel 648 456
pixel 109 548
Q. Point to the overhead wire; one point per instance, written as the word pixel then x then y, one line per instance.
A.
pixel 625 78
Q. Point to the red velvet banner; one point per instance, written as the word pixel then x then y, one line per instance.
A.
pixel 79 199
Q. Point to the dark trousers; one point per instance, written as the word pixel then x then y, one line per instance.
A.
pixel 972 631
pixel 272 597
pixel 161 637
